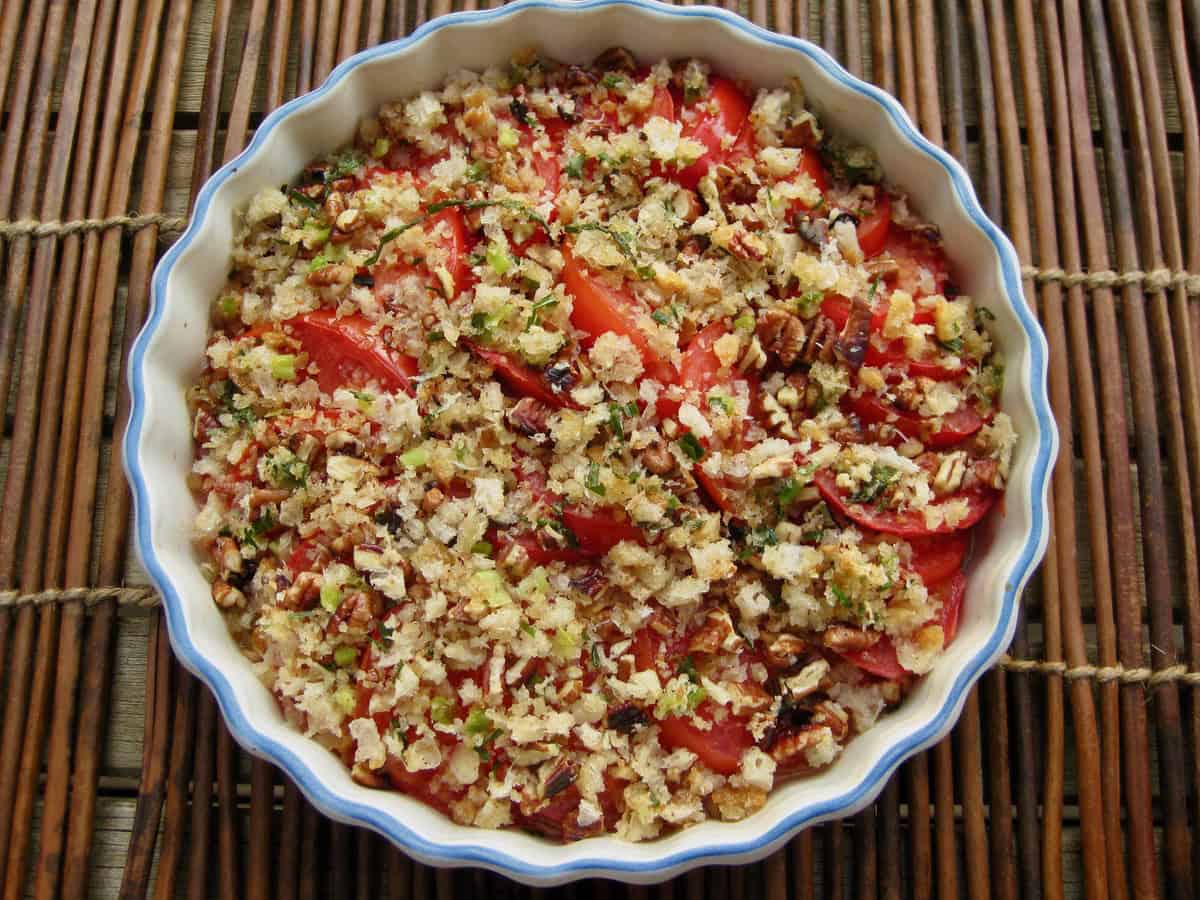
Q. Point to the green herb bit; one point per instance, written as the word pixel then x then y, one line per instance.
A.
pixel 283 367
pixel 954 345
pixel 744 323
pixel 345 656
pixel 477 722
pixel 789 490
pixel 808 303
pixel 695 696
pixel 508 138
pixel 498 258
pixel 295 196
pixel 843 599
pixel 722 403
pixel 592 481
pixel 415 458
pixel 595 655
pixel 540 306
pixel 612 81
pixel 660 317
pixel 344 164
pixel 483 548
pixel 688 667
pixel 575 166
pixel 614 421
pixel 623 240
pixel 881 477
pixel 441 710
pixel 691 446
pixel 528 629
pixel 478 171
pixel 331 596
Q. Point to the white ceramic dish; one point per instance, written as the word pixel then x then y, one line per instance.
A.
pixel 168 355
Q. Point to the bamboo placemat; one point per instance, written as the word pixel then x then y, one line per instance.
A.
pixel 1075 769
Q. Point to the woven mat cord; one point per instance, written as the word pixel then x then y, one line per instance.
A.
pixel 1153 280
pixel 148 598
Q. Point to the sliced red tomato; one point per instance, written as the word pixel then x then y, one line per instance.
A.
pixel 904 523
pixel 951 594
pixel 305 556
pixel 913 254
pixel 453 241
pixel 719 747
pixel 955 427
pixel 599 308
pixel 873 230
pixel 879 659
pixel 936 559
pixel 599 530
pixel 522 379
pixel 710 128
pixel 810 165
pixel 347 354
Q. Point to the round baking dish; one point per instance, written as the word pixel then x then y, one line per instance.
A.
pixel 169 352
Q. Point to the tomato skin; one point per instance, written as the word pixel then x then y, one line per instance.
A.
pixel 520 378
pixel 937 559
pixel 906 524
pixel 710 129
pixel 720 747
pixel 873 230
pixel 955 427
pixel 879 659
pixel 951 593
pixel 599 308
pixel 598 531
pixel 347 354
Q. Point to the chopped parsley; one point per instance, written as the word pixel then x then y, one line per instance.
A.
pixel 691 446
pixel 881 476
pixel 343 165
pixel 575 166
pixel 539 306
pixel 789 490
pixel 592 481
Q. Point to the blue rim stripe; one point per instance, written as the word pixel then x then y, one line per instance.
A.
pixel 476 854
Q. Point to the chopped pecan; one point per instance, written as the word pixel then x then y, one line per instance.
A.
pixel 560 779
pixel 227 555
pixel 303 593
pixel 986 472
pixel 782 334
pixel 882 266
pixel 432 500
pixel 331 274
pixel 791 747
pixel 748 697
pixel 268 495
pixel 227 596
pixel 950 474
pixel 821 337
pixel 368 778
pixel 615 59
pixel 658 459
pixel 784 650
pixel 832 716
pixel 591 582
pixel 356 611
pixel 844 639
pixel 747 246
pixel 852 344
pixel 686 205
pixel 716 634
pixel 335 204
pixel 735 803
pixel 529 416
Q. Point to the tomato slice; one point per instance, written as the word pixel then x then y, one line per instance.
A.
pixel 879 659
pixel 599 308
pixel 348 354
pixel 936 559
pixel 873 230
pixel 912 254
pixel 903 523
pixel 719 747
pixel 598 531
pixel 522 379
pixel 710 128
pixel 951 593
pixel 955 427
pixel 455 245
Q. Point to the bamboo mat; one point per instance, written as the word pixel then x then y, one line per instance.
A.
pixel 1075 769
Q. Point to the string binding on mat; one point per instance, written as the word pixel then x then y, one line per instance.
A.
pixel 142 597
pixel 1153 280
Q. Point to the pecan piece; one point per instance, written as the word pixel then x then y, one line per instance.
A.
pixel 227 596
pixel 658 459
pixel 615 59
pixel 735 803
pixel 844 639
pixel 747 246
pixel 715 634
pixel 782 334
pixel 784 650
pixel 528 416
pixel 331 274
pixel 303 593
pixel 819 345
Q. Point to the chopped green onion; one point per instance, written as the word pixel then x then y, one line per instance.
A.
pixel 593 480
pixel 691 446
pixel 345 656
pixel 498 258
pixel 283 367
pixel 477 722
pixel 380 147
pixel 744 323
pixel 441 710
pixel 789 490
pixel 482 548
pixel 229 306
pixel 575 166
pixel 508 139
pixel 345 698
pixel 331 596
pixel 415 458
